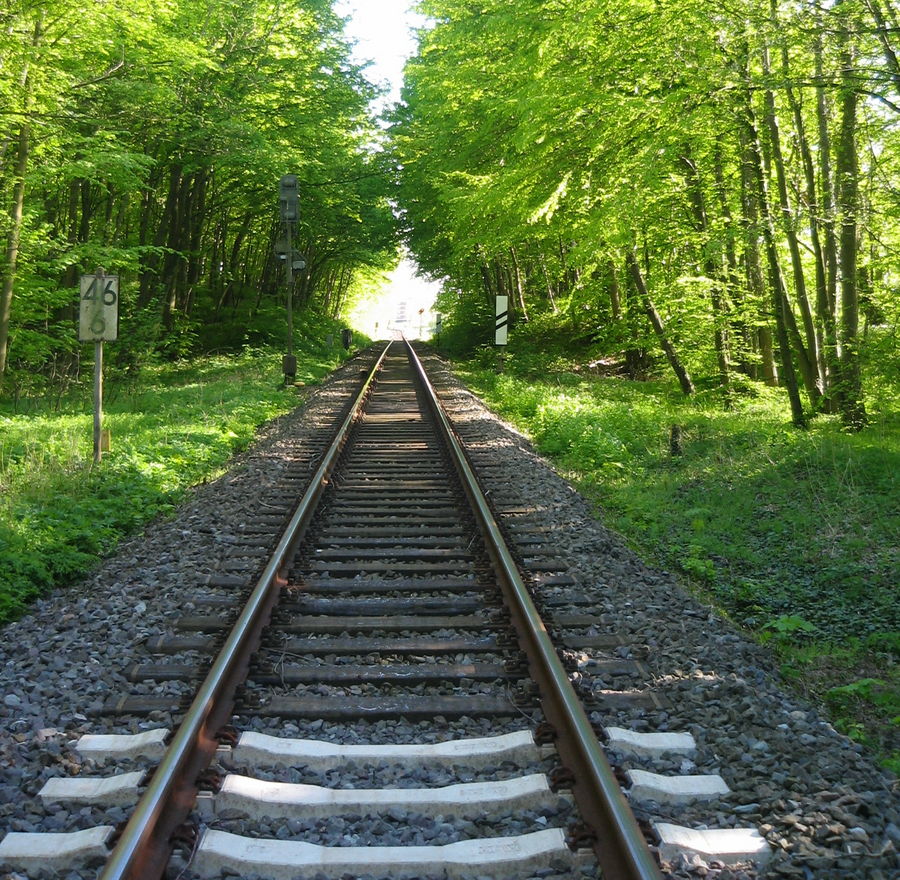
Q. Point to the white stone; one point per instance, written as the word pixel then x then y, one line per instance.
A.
pixel 120 790
pixel 257 798
pixel 148 745
pixel 295 860
pixel 728 845
pixel 675 789
pixel 46 853
pixel 652 745
pixel 261 750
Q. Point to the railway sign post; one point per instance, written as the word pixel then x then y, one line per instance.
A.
pixel 501 327
pixel 289 206
pixel 98 322
pixel 438 323
pixel 501 323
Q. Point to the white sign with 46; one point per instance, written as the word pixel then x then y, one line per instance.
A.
pixel 98 318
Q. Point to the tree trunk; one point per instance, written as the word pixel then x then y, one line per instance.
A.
pixel 734 296
pixel 149 263
pixel 87 211
pixel 108 204
pixel 767 355
pixel 814 223
pixel 779 292
pixel 218 266
pixel 233 264
pixel 346 277
pixel 13 240
pixel 636 357
pixel 728 217
pixel 169 229
pixel 486 281
pixel 828 307
pixel 519 284
pixel 883 30
pixel 17 207
pixel 710 269
pixel 853 412
pixel 500 282
pixel 615 298
pixel 684 380
pixel 807 350
pixel 551 298
pixel 70 276
pixel 753 262
pixel 195 221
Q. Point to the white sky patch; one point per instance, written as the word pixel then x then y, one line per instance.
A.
pixel 383 31
pixel 405 304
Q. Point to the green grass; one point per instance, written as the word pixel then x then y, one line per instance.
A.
pixel 59 515
pixel 793 534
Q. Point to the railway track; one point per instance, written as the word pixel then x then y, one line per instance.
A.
pixel 392 614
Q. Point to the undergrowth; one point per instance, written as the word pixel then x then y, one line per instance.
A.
pixel 176 427
pixel 793 534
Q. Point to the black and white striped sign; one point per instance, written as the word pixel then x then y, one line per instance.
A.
pixel 502 322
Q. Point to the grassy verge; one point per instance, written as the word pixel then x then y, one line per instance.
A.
pixel 792 534
pixel 59 515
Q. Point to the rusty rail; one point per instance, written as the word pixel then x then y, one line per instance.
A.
pixel 144 847
pixel 620 846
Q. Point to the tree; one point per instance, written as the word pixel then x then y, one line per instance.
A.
pixel 534 145
pixel 148 138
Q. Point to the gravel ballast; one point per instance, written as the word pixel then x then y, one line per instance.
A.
pixel 825 808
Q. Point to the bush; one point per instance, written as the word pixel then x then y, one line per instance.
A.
pixel 175 427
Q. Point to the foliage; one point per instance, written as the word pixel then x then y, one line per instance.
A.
pixel 787 626
pixel 178 427
pixel 662 179
pixel 792 535
pixel 863 698
pixel 148 138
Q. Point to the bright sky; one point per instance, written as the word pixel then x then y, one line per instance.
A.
pixel 383 32
pixel 396 307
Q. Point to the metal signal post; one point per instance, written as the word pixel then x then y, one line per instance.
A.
pixel 289 206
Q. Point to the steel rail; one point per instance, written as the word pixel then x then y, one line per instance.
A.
pixel 144 847
pixel 620 846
